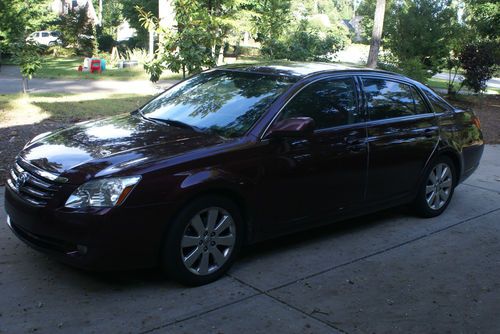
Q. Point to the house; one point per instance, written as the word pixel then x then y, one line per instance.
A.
pixel 354 26
pixel 62 7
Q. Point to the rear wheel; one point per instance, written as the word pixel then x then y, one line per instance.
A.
pixel 437 189
pixel 203 241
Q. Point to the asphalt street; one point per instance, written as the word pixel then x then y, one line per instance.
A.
pixel 10 82
pixel 389 272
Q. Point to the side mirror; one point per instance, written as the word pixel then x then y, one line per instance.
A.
pixel 292 127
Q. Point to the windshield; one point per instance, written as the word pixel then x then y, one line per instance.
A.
pixel 225 102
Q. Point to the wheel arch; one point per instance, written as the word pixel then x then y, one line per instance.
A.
pixel 456 159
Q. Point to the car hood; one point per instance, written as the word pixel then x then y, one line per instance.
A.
pixel 115 142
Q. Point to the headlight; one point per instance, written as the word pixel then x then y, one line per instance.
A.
pixel 102 193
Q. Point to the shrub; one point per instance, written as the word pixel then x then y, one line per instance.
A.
pixel 106 42
pixel 414 69
pixel 479 61
pixel 306 43
pixel 78 32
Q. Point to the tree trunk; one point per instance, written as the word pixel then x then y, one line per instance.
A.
pixel 100 13
pixel 25 85
pixel 151 43
pixel 378 24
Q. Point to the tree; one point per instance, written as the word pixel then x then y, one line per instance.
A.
pixel 478 61
pixel 78 32
pixel 129 12
pixel 419 36
pixel 196 40
pixel 378 23
pixel 299 30
pixel 18 18
pixel 27 55
pixel 271 17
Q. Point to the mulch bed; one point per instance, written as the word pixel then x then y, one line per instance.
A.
pixel 13 139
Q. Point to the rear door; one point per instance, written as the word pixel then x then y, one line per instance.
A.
pixel 402 134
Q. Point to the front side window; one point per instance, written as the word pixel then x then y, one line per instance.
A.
pixel 45 34
pixel 224 102
pixel 390 99
pixel 330 102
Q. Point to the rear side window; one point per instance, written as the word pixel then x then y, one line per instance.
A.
pixel 45 34
pixel 437 103
pixel 389 99
pixel 330 102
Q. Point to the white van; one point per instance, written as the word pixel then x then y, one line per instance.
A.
pixel 45 37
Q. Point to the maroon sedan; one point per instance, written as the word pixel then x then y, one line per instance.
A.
pixel 235 155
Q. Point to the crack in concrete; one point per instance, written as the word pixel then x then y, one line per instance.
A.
pixel 267 292
pixel 483 188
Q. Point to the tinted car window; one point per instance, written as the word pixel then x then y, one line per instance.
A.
pixel 437 103
pixel 330 102
pixel 45 34
pixel 420 107
pixel 389 99
pixel 225 102
pixel 54 34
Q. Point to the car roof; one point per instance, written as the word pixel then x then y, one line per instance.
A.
pixel 298 69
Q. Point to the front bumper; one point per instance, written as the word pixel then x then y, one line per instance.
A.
pixel 106 239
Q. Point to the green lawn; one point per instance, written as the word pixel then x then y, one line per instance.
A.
pixel 443 84
pixel 19 109
pixel 66 68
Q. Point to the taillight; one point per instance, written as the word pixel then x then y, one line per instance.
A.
pixel 476 122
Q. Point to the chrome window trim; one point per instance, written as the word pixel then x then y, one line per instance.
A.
pixel 331 76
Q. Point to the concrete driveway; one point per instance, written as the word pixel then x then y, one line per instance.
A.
pixel 386 273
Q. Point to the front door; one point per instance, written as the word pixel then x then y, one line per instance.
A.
pixel 326 172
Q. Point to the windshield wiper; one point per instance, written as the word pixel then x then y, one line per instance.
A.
pixel 174 122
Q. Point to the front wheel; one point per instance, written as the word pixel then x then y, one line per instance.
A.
pixel 436 190
pixel 203 241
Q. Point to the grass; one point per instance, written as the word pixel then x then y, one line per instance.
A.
pixel 21 109
pixel 66 68
pixel 436 83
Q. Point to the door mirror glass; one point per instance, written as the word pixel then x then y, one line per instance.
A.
pixel 292 127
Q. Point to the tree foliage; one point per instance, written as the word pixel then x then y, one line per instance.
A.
pixel 78 32
pixel 420 33
pixel 27 56
pixel 478 60
pixel 130 13
pixel 293 30
pixel 196 40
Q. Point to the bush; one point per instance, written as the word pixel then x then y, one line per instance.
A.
pixel 78 32
pixel 306 43
pixel 479 61
pixel 414 69
pixel 106 42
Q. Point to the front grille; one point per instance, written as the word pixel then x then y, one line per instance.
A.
pixel 31 187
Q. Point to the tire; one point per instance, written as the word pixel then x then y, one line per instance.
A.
pixel 203 241
pixel 435 193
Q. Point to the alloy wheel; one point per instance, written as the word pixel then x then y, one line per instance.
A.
pixel 208 241
pixel 439 186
